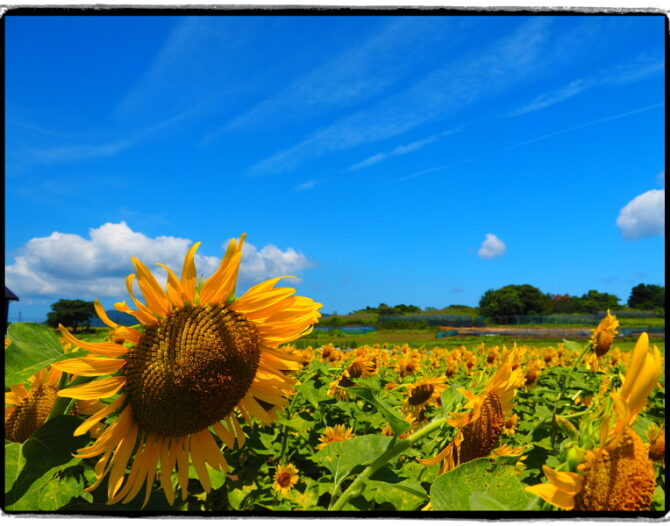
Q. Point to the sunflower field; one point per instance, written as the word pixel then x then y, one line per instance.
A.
pixel 206 406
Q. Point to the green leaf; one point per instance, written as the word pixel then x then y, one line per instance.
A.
pixel 478 484
pixel 397 422
pixel 50 492
pixel 482 502
pixel 573 346
pixel 406 495
pixel 313 395
pixel 340 458
pixel 33 347
pixel 450 398
pixel 51 446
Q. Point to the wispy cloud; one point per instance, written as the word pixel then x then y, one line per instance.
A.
pixel 482 73
pixel 530 141
pixel 399 150
pixel 638 69
pixel 359 73
pixel 307 185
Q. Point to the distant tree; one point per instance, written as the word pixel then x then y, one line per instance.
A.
pixel 564 303
pixel 645 296
pixel 71 313
pixel 594 302
pixel 512 300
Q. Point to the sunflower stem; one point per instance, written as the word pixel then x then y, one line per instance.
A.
pixel 564 386
pixel 359 483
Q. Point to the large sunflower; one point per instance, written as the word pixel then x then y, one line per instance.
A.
pixel 200 358
pixel 618 475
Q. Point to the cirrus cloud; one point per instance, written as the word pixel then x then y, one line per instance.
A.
pixel 69 265
pixel 492 247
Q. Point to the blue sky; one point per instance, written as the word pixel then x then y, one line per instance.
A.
pixel 416 160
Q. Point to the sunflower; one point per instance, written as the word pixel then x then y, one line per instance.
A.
pixel 338 433
pixel 510 424
pixel 286 477
pixel 200 356
pixel 656 436
pixel 603 336
pixel 618 475
pixel 420 394
pixel 27 410
pixel 480 428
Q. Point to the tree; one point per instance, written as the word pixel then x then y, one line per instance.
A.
pixel 512 300
pixel 71 313
pixel 644 296
pixel 595 302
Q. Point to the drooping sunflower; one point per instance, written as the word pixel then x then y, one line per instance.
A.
pixel 480 427
pixel 656 436
pixel 200 357
pixel 618 475
pixel 27 410
pixel 337 433
pixel 603 336
pixel 421 393
pixel 286 477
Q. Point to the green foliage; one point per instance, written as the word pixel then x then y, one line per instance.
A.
pixel 71 313
pixel 31 467
pixel 512 300
pixel 644 296
pixel 594 302
pixel 481 484
pixel 33 347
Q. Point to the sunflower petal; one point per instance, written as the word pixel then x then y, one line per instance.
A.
pixel 553 495
pixel 94 390
pixel 189 277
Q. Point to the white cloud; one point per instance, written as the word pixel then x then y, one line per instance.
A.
pixel 644 216
pixel 69 265
pixel 492 247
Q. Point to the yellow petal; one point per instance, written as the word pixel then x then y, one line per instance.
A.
pixel 109 349
pixel 154 294
pixel 570 483
pixel 102 314
pixel 175 295
pixel 89 366
pixel 93 420
pixel 553 495
pixel 94 390
pixel 189 277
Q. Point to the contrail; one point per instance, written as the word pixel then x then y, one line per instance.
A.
pixel 530 141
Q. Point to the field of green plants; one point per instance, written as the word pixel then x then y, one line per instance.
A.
pixel 382 427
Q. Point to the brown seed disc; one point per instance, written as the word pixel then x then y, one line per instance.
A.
pixel 192 369
pixel 30 414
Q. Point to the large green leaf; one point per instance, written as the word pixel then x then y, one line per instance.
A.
pixel 33 347
pixel 478 485
pixel 50 492
pixel 32 462
pixel 340 458
pixel 397 422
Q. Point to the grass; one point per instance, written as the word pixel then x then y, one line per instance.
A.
pixel 417 338
pixel 414 338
